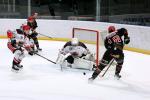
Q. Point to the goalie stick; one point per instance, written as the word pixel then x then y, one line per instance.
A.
pixel 45 58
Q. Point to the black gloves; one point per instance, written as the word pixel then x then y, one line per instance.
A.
pixel 126 40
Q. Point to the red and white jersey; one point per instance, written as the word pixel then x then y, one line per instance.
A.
pixel 28 42
pixel 15 41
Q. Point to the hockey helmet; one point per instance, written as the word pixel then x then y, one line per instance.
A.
pixel 26 27
pixel 111 29
pixel 9 34
pixel 74 41
pixel 31 18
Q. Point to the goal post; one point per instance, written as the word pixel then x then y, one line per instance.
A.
pixel 89 36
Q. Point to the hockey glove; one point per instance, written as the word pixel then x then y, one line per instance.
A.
pixel 126 40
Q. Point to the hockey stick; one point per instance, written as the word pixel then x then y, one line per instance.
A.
pixel 45 58
pixel 108 67
pixel 45 35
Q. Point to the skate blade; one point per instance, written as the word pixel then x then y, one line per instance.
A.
pixel 16 71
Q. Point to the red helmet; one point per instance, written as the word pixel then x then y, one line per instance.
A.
pixel 26 27
pixel 31 18
pixel 111 29
pixel 9 34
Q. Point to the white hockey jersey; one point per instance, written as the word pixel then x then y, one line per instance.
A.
pixel 77 51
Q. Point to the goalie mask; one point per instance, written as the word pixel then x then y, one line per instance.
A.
pixel 74 41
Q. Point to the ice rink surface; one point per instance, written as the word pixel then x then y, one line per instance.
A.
pixel 42 80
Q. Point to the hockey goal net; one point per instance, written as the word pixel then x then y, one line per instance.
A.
pixel 94 41
pixel 91 38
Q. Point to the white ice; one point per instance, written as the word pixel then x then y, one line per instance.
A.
pixel 42 80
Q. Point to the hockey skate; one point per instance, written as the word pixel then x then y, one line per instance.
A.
pixel 39 49
pixel 117 76
pixel 16 68
pixel 31 53
pixel 90 80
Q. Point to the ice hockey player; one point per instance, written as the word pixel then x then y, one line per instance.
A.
pixel 18 41
pixel 76 53
pixel 31 21
pixel 15 44
pixel 114 50
pixel 28 41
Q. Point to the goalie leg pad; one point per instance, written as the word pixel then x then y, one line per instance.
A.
pixel 83 64
pixel 60 59
pixel 89 57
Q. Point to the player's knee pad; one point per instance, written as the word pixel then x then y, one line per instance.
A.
pixel 19 55
pixel 120 60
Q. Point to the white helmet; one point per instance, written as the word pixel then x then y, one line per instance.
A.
pixel 74 41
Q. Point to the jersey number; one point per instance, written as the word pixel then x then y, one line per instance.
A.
pixel 116 39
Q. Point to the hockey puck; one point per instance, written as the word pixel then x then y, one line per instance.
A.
pixel 84 73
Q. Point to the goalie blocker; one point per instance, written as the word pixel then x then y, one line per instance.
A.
pixel 75 54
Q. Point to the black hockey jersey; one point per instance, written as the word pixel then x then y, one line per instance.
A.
pixel 32 25
pixel 114 42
